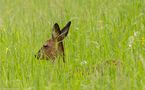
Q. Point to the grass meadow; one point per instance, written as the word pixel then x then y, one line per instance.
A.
pixel 104 50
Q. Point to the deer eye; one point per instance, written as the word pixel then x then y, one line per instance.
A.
pixel 45 45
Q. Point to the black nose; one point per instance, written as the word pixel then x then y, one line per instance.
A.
pixel 37 56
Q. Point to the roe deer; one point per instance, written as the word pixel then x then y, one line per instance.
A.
pixel 54 46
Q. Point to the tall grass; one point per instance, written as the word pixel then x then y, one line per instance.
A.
pixel 101 30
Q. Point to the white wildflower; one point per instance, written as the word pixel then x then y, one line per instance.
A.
pixel 83 62
pixel 136 33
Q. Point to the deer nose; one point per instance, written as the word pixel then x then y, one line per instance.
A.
pixel 37 56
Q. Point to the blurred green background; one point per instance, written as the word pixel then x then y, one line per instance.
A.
pixel 101 31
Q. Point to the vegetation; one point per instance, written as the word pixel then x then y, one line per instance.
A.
pixel 103 33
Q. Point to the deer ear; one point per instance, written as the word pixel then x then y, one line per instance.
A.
pixel 64 31
pixel 55 31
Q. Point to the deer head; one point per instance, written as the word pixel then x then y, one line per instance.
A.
pixel 54 46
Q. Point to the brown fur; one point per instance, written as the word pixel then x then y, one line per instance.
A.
pixel 53 47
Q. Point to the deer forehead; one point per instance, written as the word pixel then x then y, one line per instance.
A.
pixel 51 43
